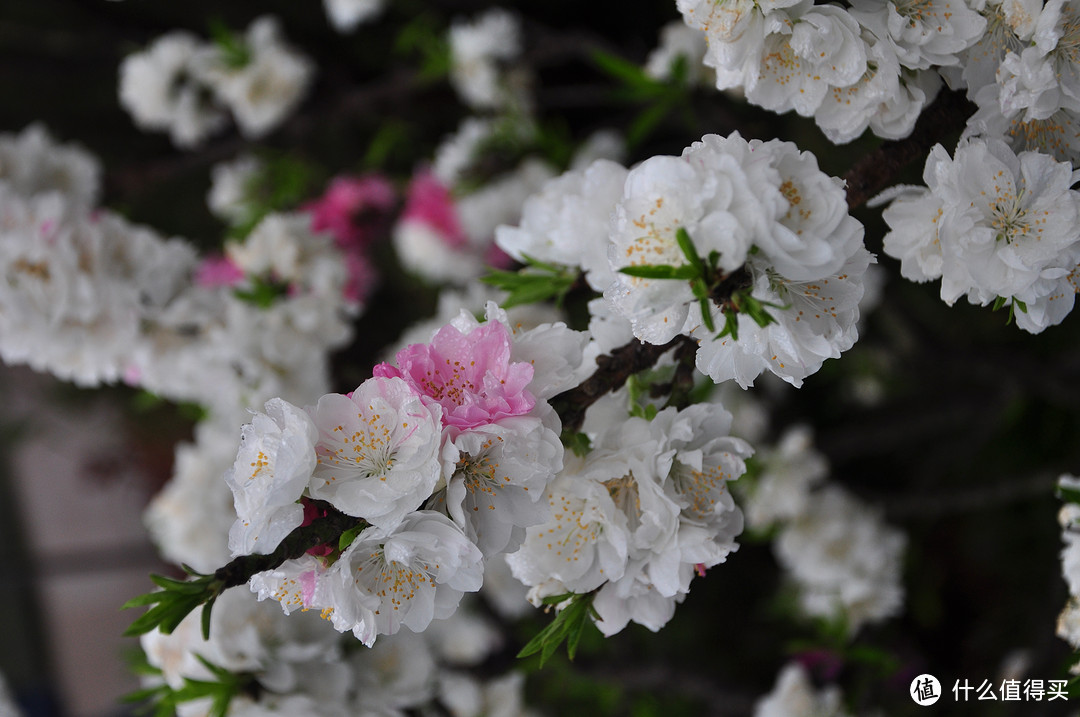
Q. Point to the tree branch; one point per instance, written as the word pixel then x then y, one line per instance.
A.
pixel 945 115
pixel 612 370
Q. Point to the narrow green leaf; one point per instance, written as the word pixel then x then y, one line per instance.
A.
pixel 660 271
pixel 178 586
pixel 731 326
pixel 706 314
pixel 147 599
pixel 205 617
pixel 149 620
pixel 630 74
pixel 689 250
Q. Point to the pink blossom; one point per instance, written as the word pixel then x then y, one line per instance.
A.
pixel 218 270
pixel 429 202
pixel 469 375
pixel 341 209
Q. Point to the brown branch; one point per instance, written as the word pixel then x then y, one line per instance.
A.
pixel 612 370
pixel 945 115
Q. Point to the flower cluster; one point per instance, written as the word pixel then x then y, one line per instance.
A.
pixel 842 558
pixel 868 64
pixel 998 227
pixel 647 509
pixel 1022 73
pixel 183 85
pixel 480 55
pixel 443 459
pixel 748 236
pixel 294 666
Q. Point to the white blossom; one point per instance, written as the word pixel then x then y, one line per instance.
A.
pixel 807 49
pixel 845 560
pixel 924 33
pixel 160 88
pixel 566 222
pixel 231 184
pixel 789 470
pixel 272 469
pixel 32 162
pixel 495 480
pixel 1007 228
pixel 189 519
pixel 795 696
pixel 378 451
pixel 476 50
pixel 416 573
pixel 265 85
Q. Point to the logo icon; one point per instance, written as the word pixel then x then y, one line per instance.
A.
pixel 925 690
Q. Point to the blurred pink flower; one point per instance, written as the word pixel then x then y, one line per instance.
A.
pixel 217 270
pixel 430 203
pixel 341 209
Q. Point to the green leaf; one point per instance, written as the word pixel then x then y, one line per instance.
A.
pixel 180 586
pixel 262 293
pixel 568 626
pixel 689 250
pixel 349 536
pixel 205 618
pixel 234 50
pixel 660 271
pixel 731 325
pixel 706 313
pixel 537 282
pixel 577 442
pixel 629 74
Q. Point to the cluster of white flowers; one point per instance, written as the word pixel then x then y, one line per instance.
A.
pixel 300 668
pixel 183 85
pixel 444 457
pixel 481 53
pixel 867 64
pixel 92 299
pixel 995 226
pixel 647 509
pixel 782 259
pixel 78 282
pixel 1023 76
pixel 843 559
